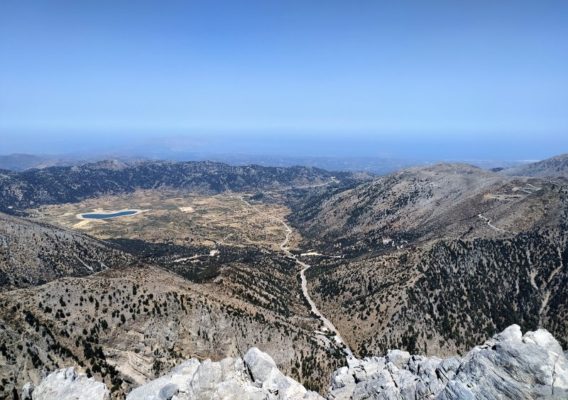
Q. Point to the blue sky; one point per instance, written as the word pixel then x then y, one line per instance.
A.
pixel 392 71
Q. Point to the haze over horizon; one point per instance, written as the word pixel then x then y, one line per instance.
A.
pixel 442 80
pixel 417 148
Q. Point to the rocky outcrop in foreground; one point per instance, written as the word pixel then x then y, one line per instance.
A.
pixel 254 377
pixel 508 366
pixel 66 384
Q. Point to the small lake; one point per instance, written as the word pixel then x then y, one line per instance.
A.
pixel 108 215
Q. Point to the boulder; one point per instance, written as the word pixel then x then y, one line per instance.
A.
pixel 67 384
pixel 254 377
pixel 508 366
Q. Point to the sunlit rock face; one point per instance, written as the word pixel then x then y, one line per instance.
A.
pixel 254 377
pixel 67 384
pixel 508 366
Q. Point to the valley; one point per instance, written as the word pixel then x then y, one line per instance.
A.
pixel 318 270
pixel 283 200
pixel 177 217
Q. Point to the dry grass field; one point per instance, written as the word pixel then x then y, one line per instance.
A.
pixel 177 217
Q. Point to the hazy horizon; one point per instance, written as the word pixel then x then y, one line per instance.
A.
pixel 435 81
pixel 431 148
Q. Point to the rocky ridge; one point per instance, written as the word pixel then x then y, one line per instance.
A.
pixel 437 259
pixel 417 205
pixel 126 326
pixel 554 167
pixel 253 377
pixel 56 185
pixel 508 366
pixel 34 253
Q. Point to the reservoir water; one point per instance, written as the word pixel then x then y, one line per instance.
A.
pixel 108 215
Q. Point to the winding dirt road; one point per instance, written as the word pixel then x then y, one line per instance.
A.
pixel 488 222
pixel 327 324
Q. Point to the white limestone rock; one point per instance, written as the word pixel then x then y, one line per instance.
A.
pixel 509 366
pixel 169 385
pixel 67 384
pixel 512 366
pixel 255 377
pixel 398 357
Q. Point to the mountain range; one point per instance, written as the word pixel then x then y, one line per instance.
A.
pixel 54 185
pixel 431 260
pixel 555 167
